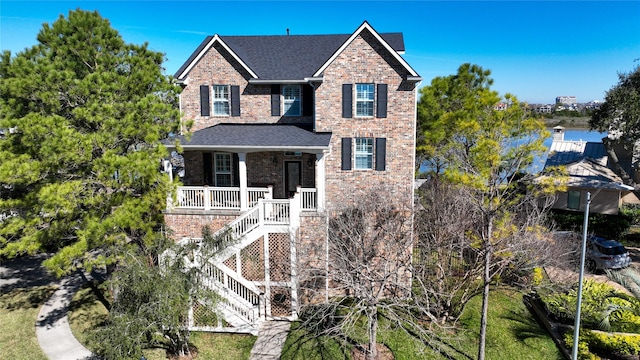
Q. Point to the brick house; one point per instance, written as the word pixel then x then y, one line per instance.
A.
pixel 283 129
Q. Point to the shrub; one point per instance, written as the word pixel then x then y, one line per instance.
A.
pixel 596 342
pixel 603 307
pixel 609 226
pixel 631 211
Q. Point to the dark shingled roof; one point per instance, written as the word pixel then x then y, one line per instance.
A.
pixel 256 136
pixel 287 57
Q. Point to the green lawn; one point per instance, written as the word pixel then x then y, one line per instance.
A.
pixel 512 334
pixel 18 312
pixel 86 312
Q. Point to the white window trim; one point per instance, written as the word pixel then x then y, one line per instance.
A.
pixel 223 172
pixel 365 100
pixel 287 103
pixel 222 100
pixel 370 154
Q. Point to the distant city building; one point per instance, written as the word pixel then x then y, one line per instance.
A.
pixel 592 105
pixel 544 109
pixel 566 100
pixel 500 106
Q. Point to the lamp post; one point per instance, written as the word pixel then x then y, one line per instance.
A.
pixel 576 325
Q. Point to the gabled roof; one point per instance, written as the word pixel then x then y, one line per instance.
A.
pixel 588 173
pixel 564 152
pixel 291 57
pixel 254 137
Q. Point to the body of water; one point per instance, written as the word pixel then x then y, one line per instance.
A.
pixel 569 134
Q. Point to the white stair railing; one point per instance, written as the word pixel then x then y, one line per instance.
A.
pixel 240 295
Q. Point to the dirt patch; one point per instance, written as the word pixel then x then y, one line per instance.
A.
pixel 384 353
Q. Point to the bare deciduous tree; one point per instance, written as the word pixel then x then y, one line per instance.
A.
pixel 369 270
pixel 449 255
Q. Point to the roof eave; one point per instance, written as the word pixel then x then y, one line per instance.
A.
pixel 248 149
pixel 365 25
pixel 214 39
pixel 285 81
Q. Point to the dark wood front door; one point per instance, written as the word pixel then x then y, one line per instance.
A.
pixel 292 177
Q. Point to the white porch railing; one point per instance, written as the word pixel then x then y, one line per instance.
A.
pixel 228 198
pixel 256 194
pixel 308 199
pixel 218 198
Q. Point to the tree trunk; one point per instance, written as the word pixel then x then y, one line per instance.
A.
pixel 488 251
pixel 372 352
pixel 485 301
pixel 613 158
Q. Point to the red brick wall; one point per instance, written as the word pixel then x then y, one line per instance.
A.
pixel 364 61
pixel 190 223
pixel 217 67
pixel 311 258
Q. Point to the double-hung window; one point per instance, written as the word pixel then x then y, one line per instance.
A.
pixel 291 95
pixel 364 100
pixel 364 153
pixel 223 169
pixel 573 200
pixel 220 100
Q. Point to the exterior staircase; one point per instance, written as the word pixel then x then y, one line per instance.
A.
pixel 241 306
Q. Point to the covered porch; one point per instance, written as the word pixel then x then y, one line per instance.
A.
pixel 233 166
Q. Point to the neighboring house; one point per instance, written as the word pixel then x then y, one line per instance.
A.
pixel 285 128
pixel 587 167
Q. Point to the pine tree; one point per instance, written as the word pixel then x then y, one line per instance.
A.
pixel 82 114
pixel 485 152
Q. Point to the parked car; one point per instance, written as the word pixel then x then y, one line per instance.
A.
pixel 605 254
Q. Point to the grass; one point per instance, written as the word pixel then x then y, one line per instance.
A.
pixel 512 333
pixel 86 312
pixel 18 313
pixel 571 122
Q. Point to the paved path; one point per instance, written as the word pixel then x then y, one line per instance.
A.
pixel 52 325
pixel 271 337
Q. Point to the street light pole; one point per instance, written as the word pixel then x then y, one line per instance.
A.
pixel 576 325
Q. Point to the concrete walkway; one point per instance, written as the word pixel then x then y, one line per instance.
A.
pixel 52 325
pixel 271 337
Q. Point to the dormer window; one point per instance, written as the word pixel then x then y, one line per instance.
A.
pixel 220 100
pixel 291 97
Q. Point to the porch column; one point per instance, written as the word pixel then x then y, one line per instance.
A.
pixel 320 179
pixel 242 173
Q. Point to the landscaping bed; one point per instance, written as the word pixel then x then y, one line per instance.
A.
pixel 603 308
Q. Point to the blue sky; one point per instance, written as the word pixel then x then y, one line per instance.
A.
pixel 536 50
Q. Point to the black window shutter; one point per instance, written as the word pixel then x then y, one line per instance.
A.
pixel 275 100
pixel 207 169
pixel 204 100
pixel 307 100
pixel 381 153
pixel 381 106
pixel 235 173
pixel 235 100
pixel 346 153
pixel 347 94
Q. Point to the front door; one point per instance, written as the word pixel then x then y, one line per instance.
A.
pixel 292 177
